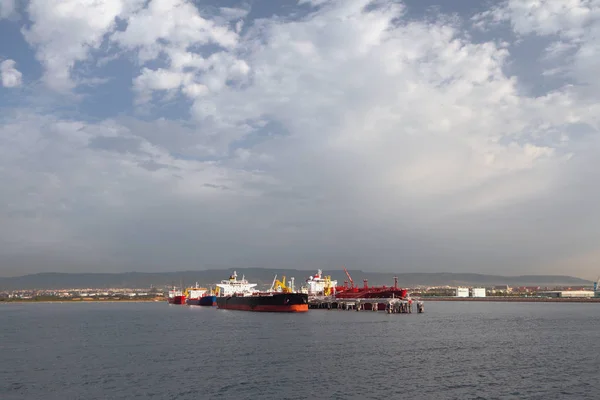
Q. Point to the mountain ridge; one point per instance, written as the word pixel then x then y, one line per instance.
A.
pixel 264 276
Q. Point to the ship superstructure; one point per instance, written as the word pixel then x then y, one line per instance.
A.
pixel 233 286
pixel 200 296
pixel 194 293
pixel 318 285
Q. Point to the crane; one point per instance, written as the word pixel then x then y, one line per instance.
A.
pixel 273 284
pixel 280 285
pixel 349 277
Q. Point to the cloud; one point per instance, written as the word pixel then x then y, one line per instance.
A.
pixel 65 32
pixel 572 28
pixel 66 35
pixel 542 17
pixel 66 176
pixel 7 8
pixel 385 108
pixel 197 51
pixel 354 134
pixel 176 22
pixel 9 75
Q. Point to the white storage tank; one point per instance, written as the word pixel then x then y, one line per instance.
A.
pixel 478 292
pixel 462 292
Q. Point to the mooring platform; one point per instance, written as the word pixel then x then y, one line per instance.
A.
pixel 389 305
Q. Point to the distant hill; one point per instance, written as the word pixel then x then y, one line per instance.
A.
pixel 264 276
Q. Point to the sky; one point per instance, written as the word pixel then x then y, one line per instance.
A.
pixel 404 136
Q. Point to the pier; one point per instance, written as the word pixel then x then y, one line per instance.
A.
pixel 389 305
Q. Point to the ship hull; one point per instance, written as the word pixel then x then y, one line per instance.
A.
pixel 279 302
pixel 177 300
pixel 208 301
pixel 203 301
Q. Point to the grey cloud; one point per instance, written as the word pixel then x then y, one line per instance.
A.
pixel 152 165
pixel 220 187
pixel 117 144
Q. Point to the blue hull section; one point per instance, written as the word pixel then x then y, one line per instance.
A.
pixel 203 301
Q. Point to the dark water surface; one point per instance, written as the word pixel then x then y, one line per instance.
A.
pixel 454 350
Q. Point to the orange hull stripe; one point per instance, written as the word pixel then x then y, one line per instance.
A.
pixel 267 308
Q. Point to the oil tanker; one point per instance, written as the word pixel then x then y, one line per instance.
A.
pixel 176 297
pixel 323 286
pixel 234 294
pixel 319 286
pixel 369 292
pixel 198 296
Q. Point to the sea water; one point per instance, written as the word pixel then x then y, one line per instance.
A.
pixel 454 350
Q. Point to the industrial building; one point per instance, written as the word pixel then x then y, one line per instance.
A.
pixel 469 292
pixel 567 293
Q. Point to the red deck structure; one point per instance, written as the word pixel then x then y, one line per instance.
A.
pixel 366 292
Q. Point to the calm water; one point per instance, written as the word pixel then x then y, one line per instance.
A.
pixel 154 350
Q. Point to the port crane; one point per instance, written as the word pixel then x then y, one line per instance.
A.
pixel 280 285
pixel 349 278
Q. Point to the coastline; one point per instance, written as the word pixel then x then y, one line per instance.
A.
pixel 516 299
pixel 79 301
pixel 424 299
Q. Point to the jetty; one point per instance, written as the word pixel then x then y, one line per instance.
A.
pixel 387 304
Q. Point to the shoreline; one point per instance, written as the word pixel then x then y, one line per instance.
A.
pixel 79 301
pixel 516 299
pixel 424 299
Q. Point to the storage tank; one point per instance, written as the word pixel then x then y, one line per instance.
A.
pixel 478 292
pixel 462 292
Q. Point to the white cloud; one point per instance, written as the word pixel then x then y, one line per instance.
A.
pixel 546 17
pixel 573 26
pixel 352 134
pixel 382 112
pixel 64 32
pixel 177 31
pixel 10 76
pixel 177 22
pixel 543 17
pixel 230 13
